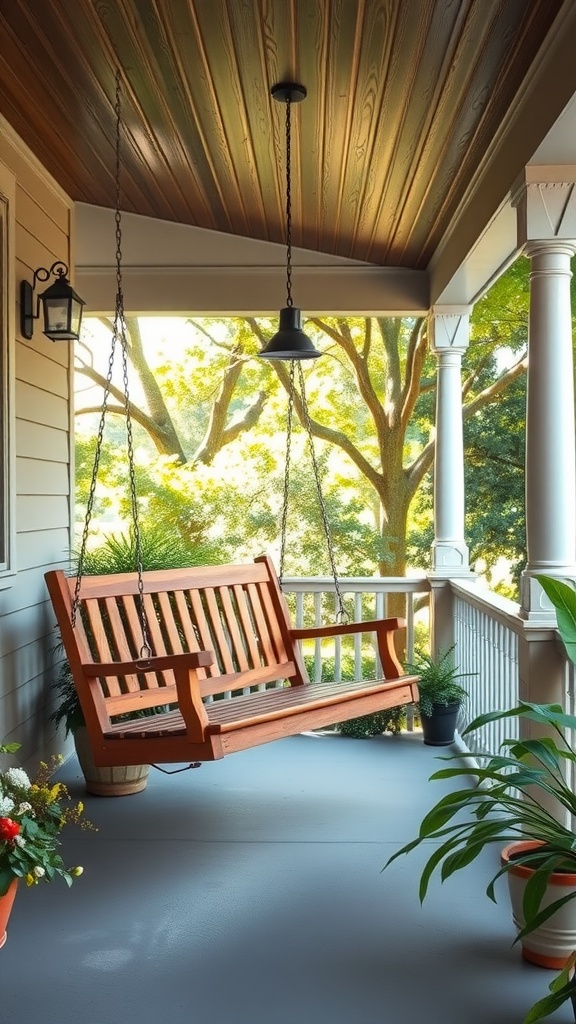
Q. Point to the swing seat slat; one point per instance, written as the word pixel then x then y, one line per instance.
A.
pixel 227 671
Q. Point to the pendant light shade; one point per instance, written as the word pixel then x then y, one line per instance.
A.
pixel 289 342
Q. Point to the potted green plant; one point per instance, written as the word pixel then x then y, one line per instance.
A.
pixel 440 695
pixel 509 804
pixel 33 814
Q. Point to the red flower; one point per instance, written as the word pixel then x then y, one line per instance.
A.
pixel 8 829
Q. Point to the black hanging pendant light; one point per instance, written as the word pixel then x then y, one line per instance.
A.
pixel 289 342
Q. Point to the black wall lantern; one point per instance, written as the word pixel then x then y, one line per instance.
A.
pixel 62 307
pixel 289 342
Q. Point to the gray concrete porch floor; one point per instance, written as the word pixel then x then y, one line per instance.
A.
pixel 250 891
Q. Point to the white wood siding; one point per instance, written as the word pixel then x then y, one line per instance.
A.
pixel 42 373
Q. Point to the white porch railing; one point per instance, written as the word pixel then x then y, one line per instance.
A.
pixel 486 633
pixel 312 601
pixel 493 643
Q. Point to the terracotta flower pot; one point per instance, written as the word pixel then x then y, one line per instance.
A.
pixel 6 902
pixel 551 944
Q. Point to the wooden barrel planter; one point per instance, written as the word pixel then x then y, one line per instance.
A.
pixel 117 781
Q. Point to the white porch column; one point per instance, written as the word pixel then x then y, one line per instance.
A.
pixel 546 218
pixel 546 203
pixel 449 341
pixel 449 336
pixel 550 441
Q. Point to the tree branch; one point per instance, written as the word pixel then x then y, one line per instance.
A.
pixel 362 375
pixel 335 437
pixel 423 462
pixel 499 385
pixel 136 413
pixel 416 356
pixel 219 433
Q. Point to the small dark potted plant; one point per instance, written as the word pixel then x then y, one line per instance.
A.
pixel 441 695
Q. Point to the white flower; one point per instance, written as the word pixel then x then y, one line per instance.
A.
pixel 20 841
pixel 23 808
pixel 38 872
pixel 17 777
pixel 6 806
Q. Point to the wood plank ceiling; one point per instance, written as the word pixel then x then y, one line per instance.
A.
pixel 404 97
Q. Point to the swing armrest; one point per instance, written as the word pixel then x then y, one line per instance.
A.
pixel 341 628
pixel 195 659
pixel 384 629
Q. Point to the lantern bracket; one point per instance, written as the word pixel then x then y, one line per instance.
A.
pixel 62 306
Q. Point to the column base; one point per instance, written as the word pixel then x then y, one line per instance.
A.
pixel 450 559
pixel 535 606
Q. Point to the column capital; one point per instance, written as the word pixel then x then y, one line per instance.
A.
pixel 448 328
pixel 550 247
pixel 545 200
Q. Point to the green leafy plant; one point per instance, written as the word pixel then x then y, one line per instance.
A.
pixel 68 709
pixel 510 801
pixel 503 808
pixel 32 816
pixel 438 682
pixel 392 720
pixel 161 548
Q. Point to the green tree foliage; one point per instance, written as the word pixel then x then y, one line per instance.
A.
pixel 494 436
pixel 215 416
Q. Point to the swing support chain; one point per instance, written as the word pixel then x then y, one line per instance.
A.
pixel 342 615
pixel 118 334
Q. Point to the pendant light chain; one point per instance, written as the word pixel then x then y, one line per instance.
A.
pixel 342 615
pixel 118 333
pixel 289 301
pixel 93 482
pixel 285 499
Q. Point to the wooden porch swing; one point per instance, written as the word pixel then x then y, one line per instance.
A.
pixel 165 643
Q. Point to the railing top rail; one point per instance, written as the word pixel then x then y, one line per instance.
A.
pixel 358 584
pixel 501 609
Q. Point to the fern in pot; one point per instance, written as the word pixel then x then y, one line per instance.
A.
pixel 441 695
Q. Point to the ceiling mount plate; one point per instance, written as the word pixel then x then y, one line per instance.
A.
pixel 292 91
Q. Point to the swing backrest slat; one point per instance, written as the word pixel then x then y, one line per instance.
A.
pixel 230 610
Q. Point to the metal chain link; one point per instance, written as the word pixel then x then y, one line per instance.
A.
pixel 118 333
pixel 285 500
pixel 342 615
pixel 289 301
pixel 93 482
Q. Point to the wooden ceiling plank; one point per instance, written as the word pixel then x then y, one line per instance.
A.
pixel 524 40
pixel 373 63
pixel 417 83
pixel 181 190
pixel 404 100
pixel 486 45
